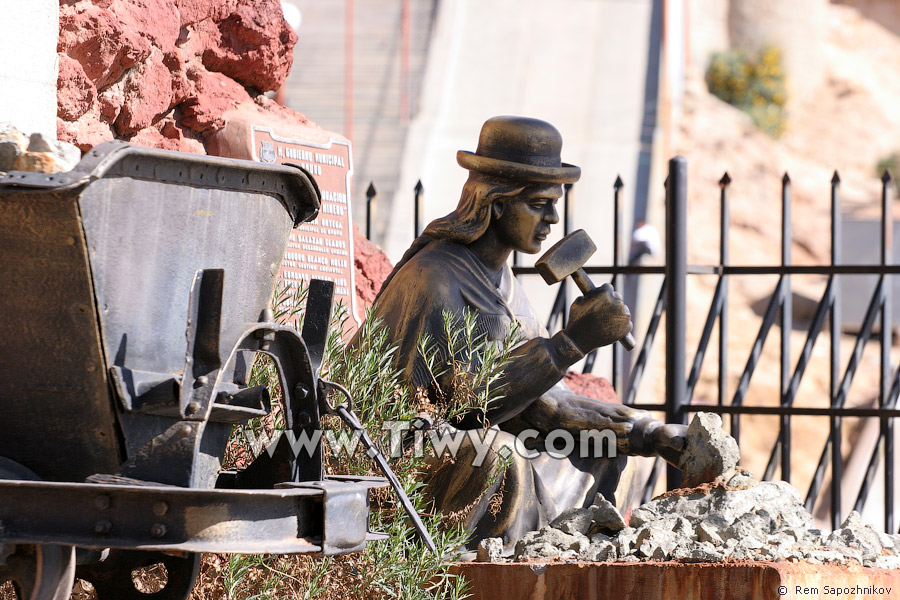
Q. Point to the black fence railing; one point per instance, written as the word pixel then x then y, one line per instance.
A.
pixel 680 384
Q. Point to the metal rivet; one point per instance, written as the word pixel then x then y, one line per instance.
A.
pixel 185 429
pixel 192 408
pixel 102 527
pixel 70 241
pixel 302 391
pixel 202 380
pixel 102 502
pixel 158 530
pixel 160 509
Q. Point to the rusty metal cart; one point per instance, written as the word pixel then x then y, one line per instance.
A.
pixel 134 293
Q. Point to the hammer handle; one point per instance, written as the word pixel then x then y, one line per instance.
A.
pixel 586 286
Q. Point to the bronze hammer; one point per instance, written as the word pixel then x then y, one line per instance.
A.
pixel 567 257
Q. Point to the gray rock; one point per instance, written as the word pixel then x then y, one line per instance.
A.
pixel 537 550
pixel 702 552
pixel 705 532
pixel 742 478
pixel 548 535
pixel 607 519
pixel 819 556
pixel 600 551
pixel 655 544
pixel 855 535
pixel 886 562
pixel 625 541
pixel 490 550
pixel 574 520
pixel 709 452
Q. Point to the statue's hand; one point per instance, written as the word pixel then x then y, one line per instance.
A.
pixel 668 441
pixel 598 319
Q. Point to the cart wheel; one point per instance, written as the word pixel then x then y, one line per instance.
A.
pixel 115 577
pixel 37 572
pixel 40 572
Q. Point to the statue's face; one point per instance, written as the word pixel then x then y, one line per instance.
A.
pixel 525 220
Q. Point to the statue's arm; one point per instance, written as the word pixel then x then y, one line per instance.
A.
pixel 534 368
pixel 637 433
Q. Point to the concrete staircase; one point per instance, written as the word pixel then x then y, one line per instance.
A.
pixel 382 102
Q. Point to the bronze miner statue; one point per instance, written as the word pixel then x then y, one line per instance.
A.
pixel 460 262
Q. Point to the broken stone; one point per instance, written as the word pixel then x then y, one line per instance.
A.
pixel 554 537
pixel 741 479
pixel 625 541
pixel 854 534
pixel 600 551
pixel 573 520
pixel 489 550
pixel 706 532
pixel 702 552
pixel 709 452
pixel 537 550
pixel 656 544
pixel 607 519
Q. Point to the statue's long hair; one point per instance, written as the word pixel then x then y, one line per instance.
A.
pixel 470 219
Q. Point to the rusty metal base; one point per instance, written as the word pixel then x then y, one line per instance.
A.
pixel 671 580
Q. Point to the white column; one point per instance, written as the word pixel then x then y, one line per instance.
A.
pixel 28 71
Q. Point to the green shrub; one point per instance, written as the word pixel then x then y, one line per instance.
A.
pixel 398 567
pixel 755 83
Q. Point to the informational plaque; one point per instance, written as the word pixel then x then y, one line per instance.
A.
pixel 322 248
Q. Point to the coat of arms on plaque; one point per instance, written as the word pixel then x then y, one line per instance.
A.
pixel 267 152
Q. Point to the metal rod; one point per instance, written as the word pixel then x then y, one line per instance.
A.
pixel 676 309
pixel 786 327
pixel 348 69
pixel 641 363
pixel 887 425
pixel 735 270
pixel 837 466
pixel 874 459
pixel 418 196
pixel 617 354
pixel 371 194
pixel 715 310
pixel 724 237
pixel 768 320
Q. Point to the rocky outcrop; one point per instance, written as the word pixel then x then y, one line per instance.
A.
pixel 163 73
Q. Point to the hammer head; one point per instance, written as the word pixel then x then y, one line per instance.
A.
pixel 565 257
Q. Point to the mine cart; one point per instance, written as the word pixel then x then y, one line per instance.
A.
pixel 134 296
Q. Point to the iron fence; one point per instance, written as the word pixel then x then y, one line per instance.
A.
pixel 680 384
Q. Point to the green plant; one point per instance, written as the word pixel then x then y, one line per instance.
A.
pixel 754 83
pixel 398 567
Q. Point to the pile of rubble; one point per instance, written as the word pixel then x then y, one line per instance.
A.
pixel 733 518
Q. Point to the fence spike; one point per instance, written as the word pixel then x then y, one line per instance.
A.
pixel 836 178
pixel 618 184
pixel 371 190
pixel 726 179
pixel 886 176
pixel 419 187
pixel 786 179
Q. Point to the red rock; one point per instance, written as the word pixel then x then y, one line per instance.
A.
pixel 86 132
pixel 151 19
pixel 214 94
pixel 98 40
pixel 110 102
pixel 193 11
pixel 585 384
pixel 147 94
pixel 75 92
pixel 255 45
pixel 372 267
pixel 153 138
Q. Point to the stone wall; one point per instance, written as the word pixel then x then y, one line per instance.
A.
pixel 163 73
